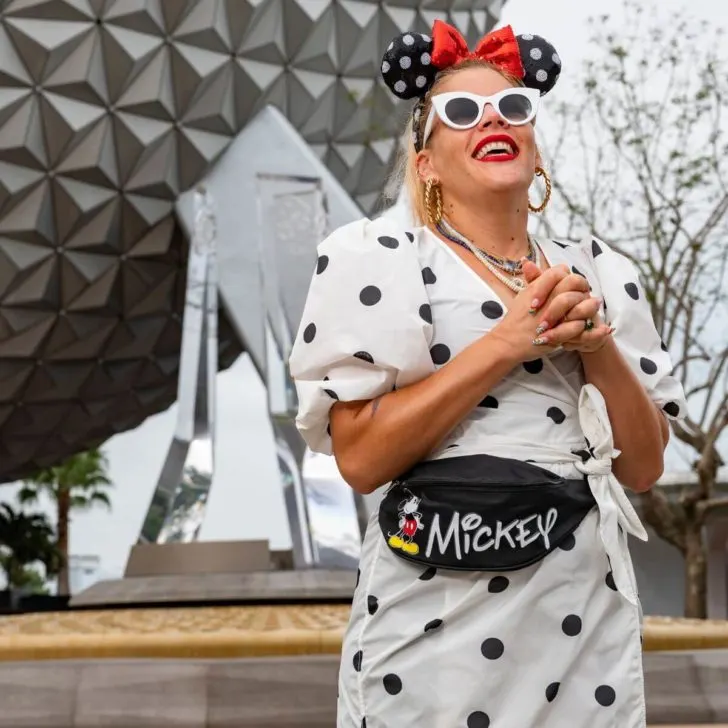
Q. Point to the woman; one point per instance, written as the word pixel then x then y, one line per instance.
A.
pixel 422 350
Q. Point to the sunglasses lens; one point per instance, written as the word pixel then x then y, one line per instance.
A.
pixel 461 111
pixel 515 107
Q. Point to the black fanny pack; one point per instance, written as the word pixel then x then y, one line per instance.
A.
pixel 481 513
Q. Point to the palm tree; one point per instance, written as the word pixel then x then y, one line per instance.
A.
pixel 77 484
pixel 25 538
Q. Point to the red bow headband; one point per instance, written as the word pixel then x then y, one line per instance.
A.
pixel 411 62
pixel 499 48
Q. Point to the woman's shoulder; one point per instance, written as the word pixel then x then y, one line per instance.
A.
pixel 589 246
pixel 592 252
pixel 366 235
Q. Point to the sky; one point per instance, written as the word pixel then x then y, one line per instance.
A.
pixel 246 500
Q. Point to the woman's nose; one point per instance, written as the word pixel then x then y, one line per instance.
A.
pixel 491 118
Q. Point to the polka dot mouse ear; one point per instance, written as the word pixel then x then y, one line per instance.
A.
pixel 540 61
pixel 407 65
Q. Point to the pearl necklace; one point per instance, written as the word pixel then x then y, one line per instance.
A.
pixel 514 284
pixel 512 267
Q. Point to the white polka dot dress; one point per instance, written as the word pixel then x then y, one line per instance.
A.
pixel 553 645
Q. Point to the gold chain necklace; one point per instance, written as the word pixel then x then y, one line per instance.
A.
pixel 514 282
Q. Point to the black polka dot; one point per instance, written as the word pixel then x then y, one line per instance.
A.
pixel 478 719
pixel 498 584
pixel 440 353
pixel 605 695
pixel 388 242
pixel 492 648
pixel 410 237
pixel 556 415
pixel 583 454
pixel 609 580
pixel 331 393
pixel 358 576
pixel 575 270
pixel 372 604
pixel 364 356
pixel 357 660
pixel 426 313
pixel 428 573
pixel 632 290
pixel 568 543
pixel 392 684
pixel 328 429
pixel 596 248
pixel 561 245
pixel 454 444
pixel 364 722
pixel 489 401
pixel 428 276
pixel 433 624
pixel 370 295
pixel 663 346
pixel 321 263
pixel 492 309
pixel 534 366
pixel 647 365
pixel 552 691
pixel 571 626
pixel 309 332
pixel 672 408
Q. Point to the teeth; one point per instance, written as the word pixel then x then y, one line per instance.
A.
pixel 499 146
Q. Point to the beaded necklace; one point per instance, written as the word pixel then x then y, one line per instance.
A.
pixel 507 271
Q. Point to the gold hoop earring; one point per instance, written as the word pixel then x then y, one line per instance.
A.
pixel 433 206
pixel 541 172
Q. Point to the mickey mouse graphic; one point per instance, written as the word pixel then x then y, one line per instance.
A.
pixel 410 521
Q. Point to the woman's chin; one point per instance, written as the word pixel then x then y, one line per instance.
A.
pixel 501 181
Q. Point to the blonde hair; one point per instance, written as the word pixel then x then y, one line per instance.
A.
pixel 405 169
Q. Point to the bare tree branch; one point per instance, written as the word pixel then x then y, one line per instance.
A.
pixel 650 177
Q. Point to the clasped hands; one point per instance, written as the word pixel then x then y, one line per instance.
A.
pixel 569 301
pixel 556 309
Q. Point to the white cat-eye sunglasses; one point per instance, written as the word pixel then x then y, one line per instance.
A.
pixel 463 110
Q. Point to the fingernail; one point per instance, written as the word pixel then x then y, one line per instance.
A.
pixel 540 341
pixel 612 329
pixel 534 306
pixel 542 327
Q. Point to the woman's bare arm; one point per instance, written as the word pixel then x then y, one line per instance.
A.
pixel 375 441
pixel 640 430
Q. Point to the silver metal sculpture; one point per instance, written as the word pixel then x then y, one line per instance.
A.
pixel 178 504
pixel 271 210
pixel 291 220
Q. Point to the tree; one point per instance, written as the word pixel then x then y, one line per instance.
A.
pixel 31 581
pixel 77 484
pixel 646 129
pixel 25 538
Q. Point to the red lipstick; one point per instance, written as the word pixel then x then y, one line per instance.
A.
pixel 496 157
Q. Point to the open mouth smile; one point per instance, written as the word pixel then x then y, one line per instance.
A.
pixel 496 148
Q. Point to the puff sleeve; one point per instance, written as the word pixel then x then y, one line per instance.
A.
pixel 627 309
pixel 366 326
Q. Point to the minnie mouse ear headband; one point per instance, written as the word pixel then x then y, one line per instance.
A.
pixel 412 60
